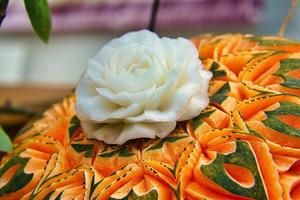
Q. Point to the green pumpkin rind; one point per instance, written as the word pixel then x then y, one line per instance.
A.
pixel 165 140
pixel 288 65
pixel 269 42
pixel 197 121
pixel 221 94
pixel 172 138
pixel 243 157
pixel 19 179
pixel 48 196
pixel 35 193
pixel 152 195
pixel 74 126
pixel 255 133
pixel 121 151
pixel 87 148
pixel 215 69
pixel 93 185
pixel 59 196
pixel 286 108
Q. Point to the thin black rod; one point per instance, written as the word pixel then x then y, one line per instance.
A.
pixel 154 11
pixel 3 7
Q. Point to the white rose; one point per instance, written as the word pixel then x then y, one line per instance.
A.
pixel 139 85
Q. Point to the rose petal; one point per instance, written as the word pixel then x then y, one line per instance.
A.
pixel 95 108
pixel 144 130
pixel 172 111
pixel 105 132
pixel 144 37
pixel 139 85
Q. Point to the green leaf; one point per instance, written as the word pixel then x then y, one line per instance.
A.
pixel 40 17
pixel 5 142
pixel 3 7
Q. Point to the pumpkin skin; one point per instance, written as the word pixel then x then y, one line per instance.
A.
pixel 244 145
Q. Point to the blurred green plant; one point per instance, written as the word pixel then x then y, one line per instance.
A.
pixel 39 14
pixel 5 145
pixel 3 7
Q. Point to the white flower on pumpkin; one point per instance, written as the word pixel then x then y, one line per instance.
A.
pixel 139 86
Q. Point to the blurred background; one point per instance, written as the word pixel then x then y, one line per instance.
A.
pixel 33 75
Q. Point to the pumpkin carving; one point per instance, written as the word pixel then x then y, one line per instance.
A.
pixel 244 145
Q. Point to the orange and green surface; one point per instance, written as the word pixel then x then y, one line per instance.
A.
pixel 244 145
